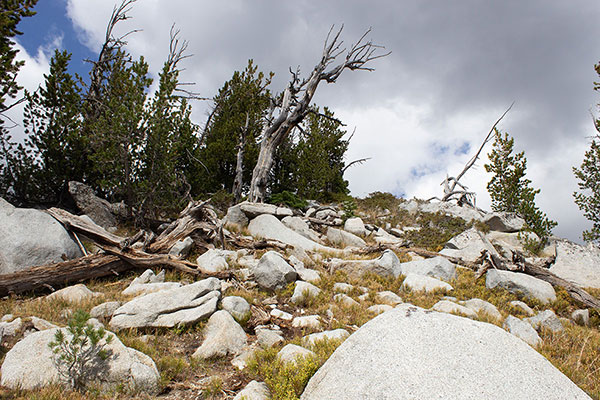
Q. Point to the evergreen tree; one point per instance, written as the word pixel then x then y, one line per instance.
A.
pixel 117 133
pixel 168 148
pixel 244 95
pixel 588 200
pixel 52 152
pixel 10 15
pixel 509 189
pixel 312 164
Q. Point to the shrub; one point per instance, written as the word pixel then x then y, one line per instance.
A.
pixel 79 356
pixel 289 199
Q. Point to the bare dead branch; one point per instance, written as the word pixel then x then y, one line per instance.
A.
pixel 472 161
pixel 355 162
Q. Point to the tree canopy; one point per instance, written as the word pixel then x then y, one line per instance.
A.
pixel 510 190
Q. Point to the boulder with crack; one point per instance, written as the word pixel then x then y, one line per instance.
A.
pixel 169 308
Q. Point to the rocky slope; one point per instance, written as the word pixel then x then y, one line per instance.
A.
pixel 400 288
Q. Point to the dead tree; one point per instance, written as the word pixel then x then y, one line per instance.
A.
pixel 462 194
pixel 294 103
pixel 239 165
pixel 107 54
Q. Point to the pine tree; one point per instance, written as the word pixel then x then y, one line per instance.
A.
pixel 312 164
pixel 169 144
pixel 10 15
pixel 245 95
pixel 52 152
pixel 117 133
pixel 509 189
pixel 588 200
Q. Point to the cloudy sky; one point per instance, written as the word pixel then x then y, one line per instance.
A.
pixel 455 67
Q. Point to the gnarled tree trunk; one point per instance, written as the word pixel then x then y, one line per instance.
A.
pixel 294 104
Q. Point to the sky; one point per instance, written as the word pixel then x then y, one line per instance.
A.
pixel 455 67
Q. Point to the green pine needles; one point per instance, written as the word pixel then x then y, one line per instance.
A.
pixel 80 354
pixel 588 174
pixel 510 190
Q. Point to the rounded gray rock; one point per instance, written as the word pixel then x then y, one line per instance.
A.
pixel 411 353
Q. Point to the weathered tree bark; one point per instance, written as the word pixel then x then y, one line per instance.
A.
pixel 239 165
pixel 294 104
pixel 59 274
pixel 94 266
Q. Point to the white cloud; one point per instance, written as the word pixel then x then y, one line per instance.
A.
pixel 30 76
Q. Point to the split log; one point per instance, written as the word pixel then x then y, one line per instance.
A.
pixel 197 221
pixel 59 274
pixel 94 266
pixel 81 225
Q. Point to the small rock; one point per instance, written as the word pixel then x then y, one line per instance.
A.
pixel 105 310
pixel 426 283
pixel 522 330
pixel 309 321
pixel 481 306
pixel 73 294
pixel 273 272
pixel 521 306
pixel 41 324
pixel 254 391
pixel 581 317
pixel 386 265
pixel 309 275
pixel 11 328
pixel 355 226
pixel 7 318
pixel 517 282
pixel 504 222
pixel 268 337
pixel 345 300
pixel 388 297
pixel 379 308
pixel 169 308
pixel 453 308
pixel 343 238
pixel 291 352
pixel 146 288
pixel 182 248
pixel 546 319
pixel 437 267
pixel 212 261
pixel 336 334
pixel 237 306
pixel 342 287
pixel 303 291
pixel 281 315
pixel 241 360
pixel 222 336
pixel 298 225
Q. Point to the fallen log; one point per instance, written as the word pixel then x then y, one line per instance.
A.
pixel 78 224
pixel 50 276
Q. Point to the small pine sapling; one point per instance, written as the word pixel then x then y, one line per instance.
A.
pixel 80 354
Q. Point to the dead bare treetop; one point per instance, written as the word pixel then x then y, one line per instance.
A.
pixel 294 103
pixel 462 195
